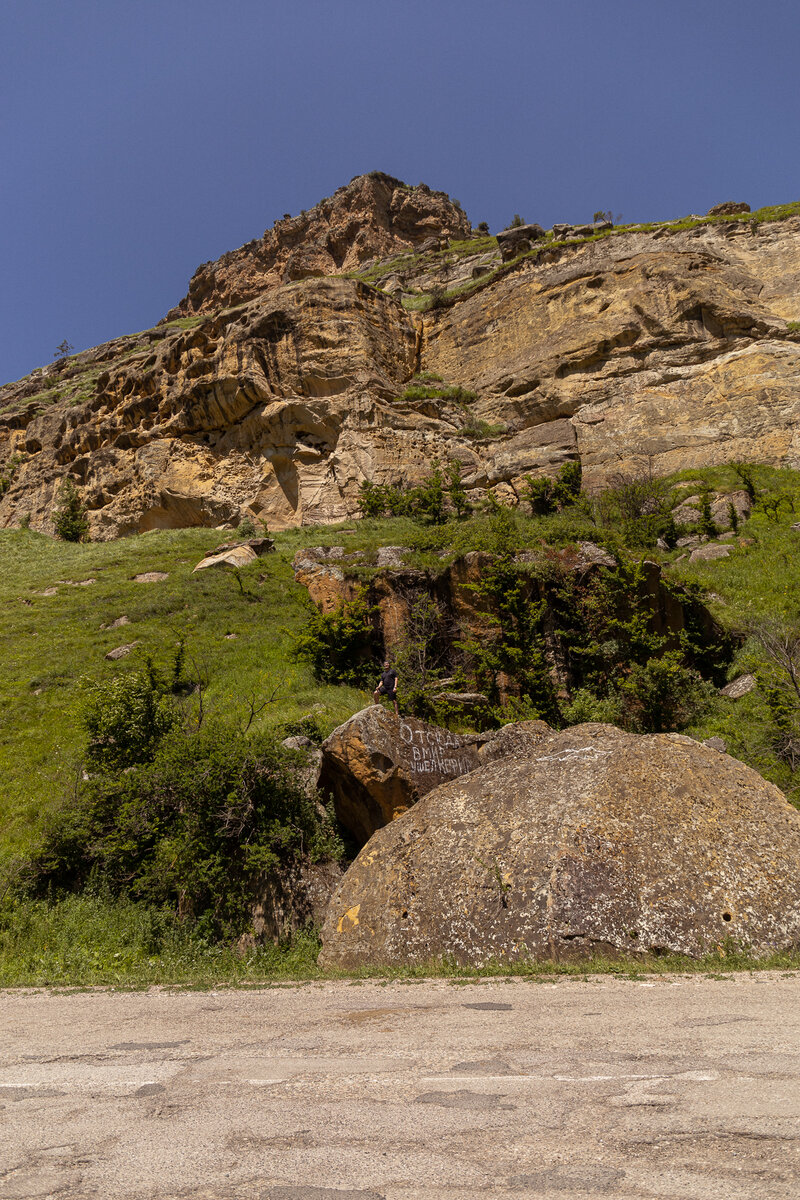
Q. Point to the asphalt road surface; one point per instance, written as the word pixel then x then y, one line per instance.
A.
pixel 679 1087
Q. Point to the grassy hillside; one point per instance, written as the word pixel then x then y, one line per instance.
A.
pixel 238 636
pixel 237 639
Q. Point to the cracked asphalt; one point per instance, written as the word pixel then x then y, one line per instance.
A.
pixel 684 1087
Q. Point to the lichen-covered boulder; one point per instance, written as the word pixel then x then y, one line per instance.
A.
pixel 592 840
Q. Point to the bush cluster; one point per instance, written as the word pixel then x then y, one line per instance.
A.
pixel 69 516
pixel 430 503
pixel 342 646
pixel 546 495
pixel 194 829
pixel 177 811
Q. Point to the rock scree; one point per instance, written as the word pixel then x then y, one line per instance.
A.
pixel 588 840
pixel 376 766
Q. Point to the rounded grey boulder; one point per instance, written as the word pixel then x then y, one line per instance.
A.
pixel 591 840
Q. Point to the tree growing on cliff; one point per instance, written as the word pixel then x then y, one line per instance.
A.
pixel 62 352
pixel 69 517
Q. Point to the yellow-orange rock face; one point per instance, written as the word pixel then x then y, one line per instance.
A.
pixel 677 348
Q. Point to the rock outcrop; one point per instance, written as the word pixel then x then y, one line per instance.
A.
pixel 274 393
pixel 331 575
pixel 588 840
pixel 233 555
pixel 373 217
pixel 376 765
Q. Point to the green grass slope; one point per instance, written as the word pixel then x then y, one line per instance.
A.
pixel 238 636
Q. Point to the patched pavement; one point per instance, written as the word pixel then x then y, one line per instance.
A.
pixel 684 1087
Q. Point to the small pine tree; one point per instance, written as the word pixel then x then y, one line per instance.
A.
pixel 733 516
pixel 516 221
pixel 69 518
pixel 706 526
pixel 456 490
pixel 430 497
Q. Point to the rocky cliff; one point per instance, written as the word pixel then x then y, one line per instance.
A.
pixel 374 217
pixel 279 384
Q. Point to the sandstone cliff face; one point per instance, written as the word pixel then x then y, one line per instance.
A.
pixel 673 348
pixel 680 347
pixel 375 216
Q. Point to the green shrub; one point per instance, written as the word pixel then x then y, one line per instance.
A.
pixel 126 717
pixel 428 387
pixel 640 506
pixel 342 646
pixel 307 726
pixel 733 516
pixel 546 495
pixel 478 430
pixel 425 503
pixel 69 517
pixel 420 655
pixel 247 528
pixel 515 647
pixel 706 526
pixel 662 694
pixel 194 831
pixel 456 491
pixel 744 472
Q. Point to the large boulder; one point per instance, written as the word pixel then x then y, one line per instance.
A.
pixel 377 765
pixel 593 840
pixel 729 208
pixel 518 239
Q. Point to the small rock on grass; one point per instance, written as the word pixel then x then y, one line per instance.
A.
pixel 151 577
pixel 123 620
pixel 708 553
pixel 122 651
pixel 738 687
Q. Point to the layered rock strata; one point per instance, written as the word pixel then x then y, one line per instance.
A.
pixel 666 349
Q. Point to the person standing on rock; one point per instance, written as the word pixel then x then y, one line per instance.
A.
pixel 387 686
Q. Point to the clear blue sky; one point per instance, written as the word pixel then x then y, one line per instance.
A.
pixel 140 139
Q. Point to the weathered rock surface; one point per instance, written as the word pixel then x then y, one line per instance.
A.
pixel 729 208
pixel 741 686
pixel 518 239
pixel 234 555
pixel 278 399
pixel 373 217
pixel 122 651
pixel 592 840
pixel 376 765
pixel 709 553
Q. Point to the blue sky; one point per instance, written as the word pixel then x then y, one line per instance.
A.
pixel 140 139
